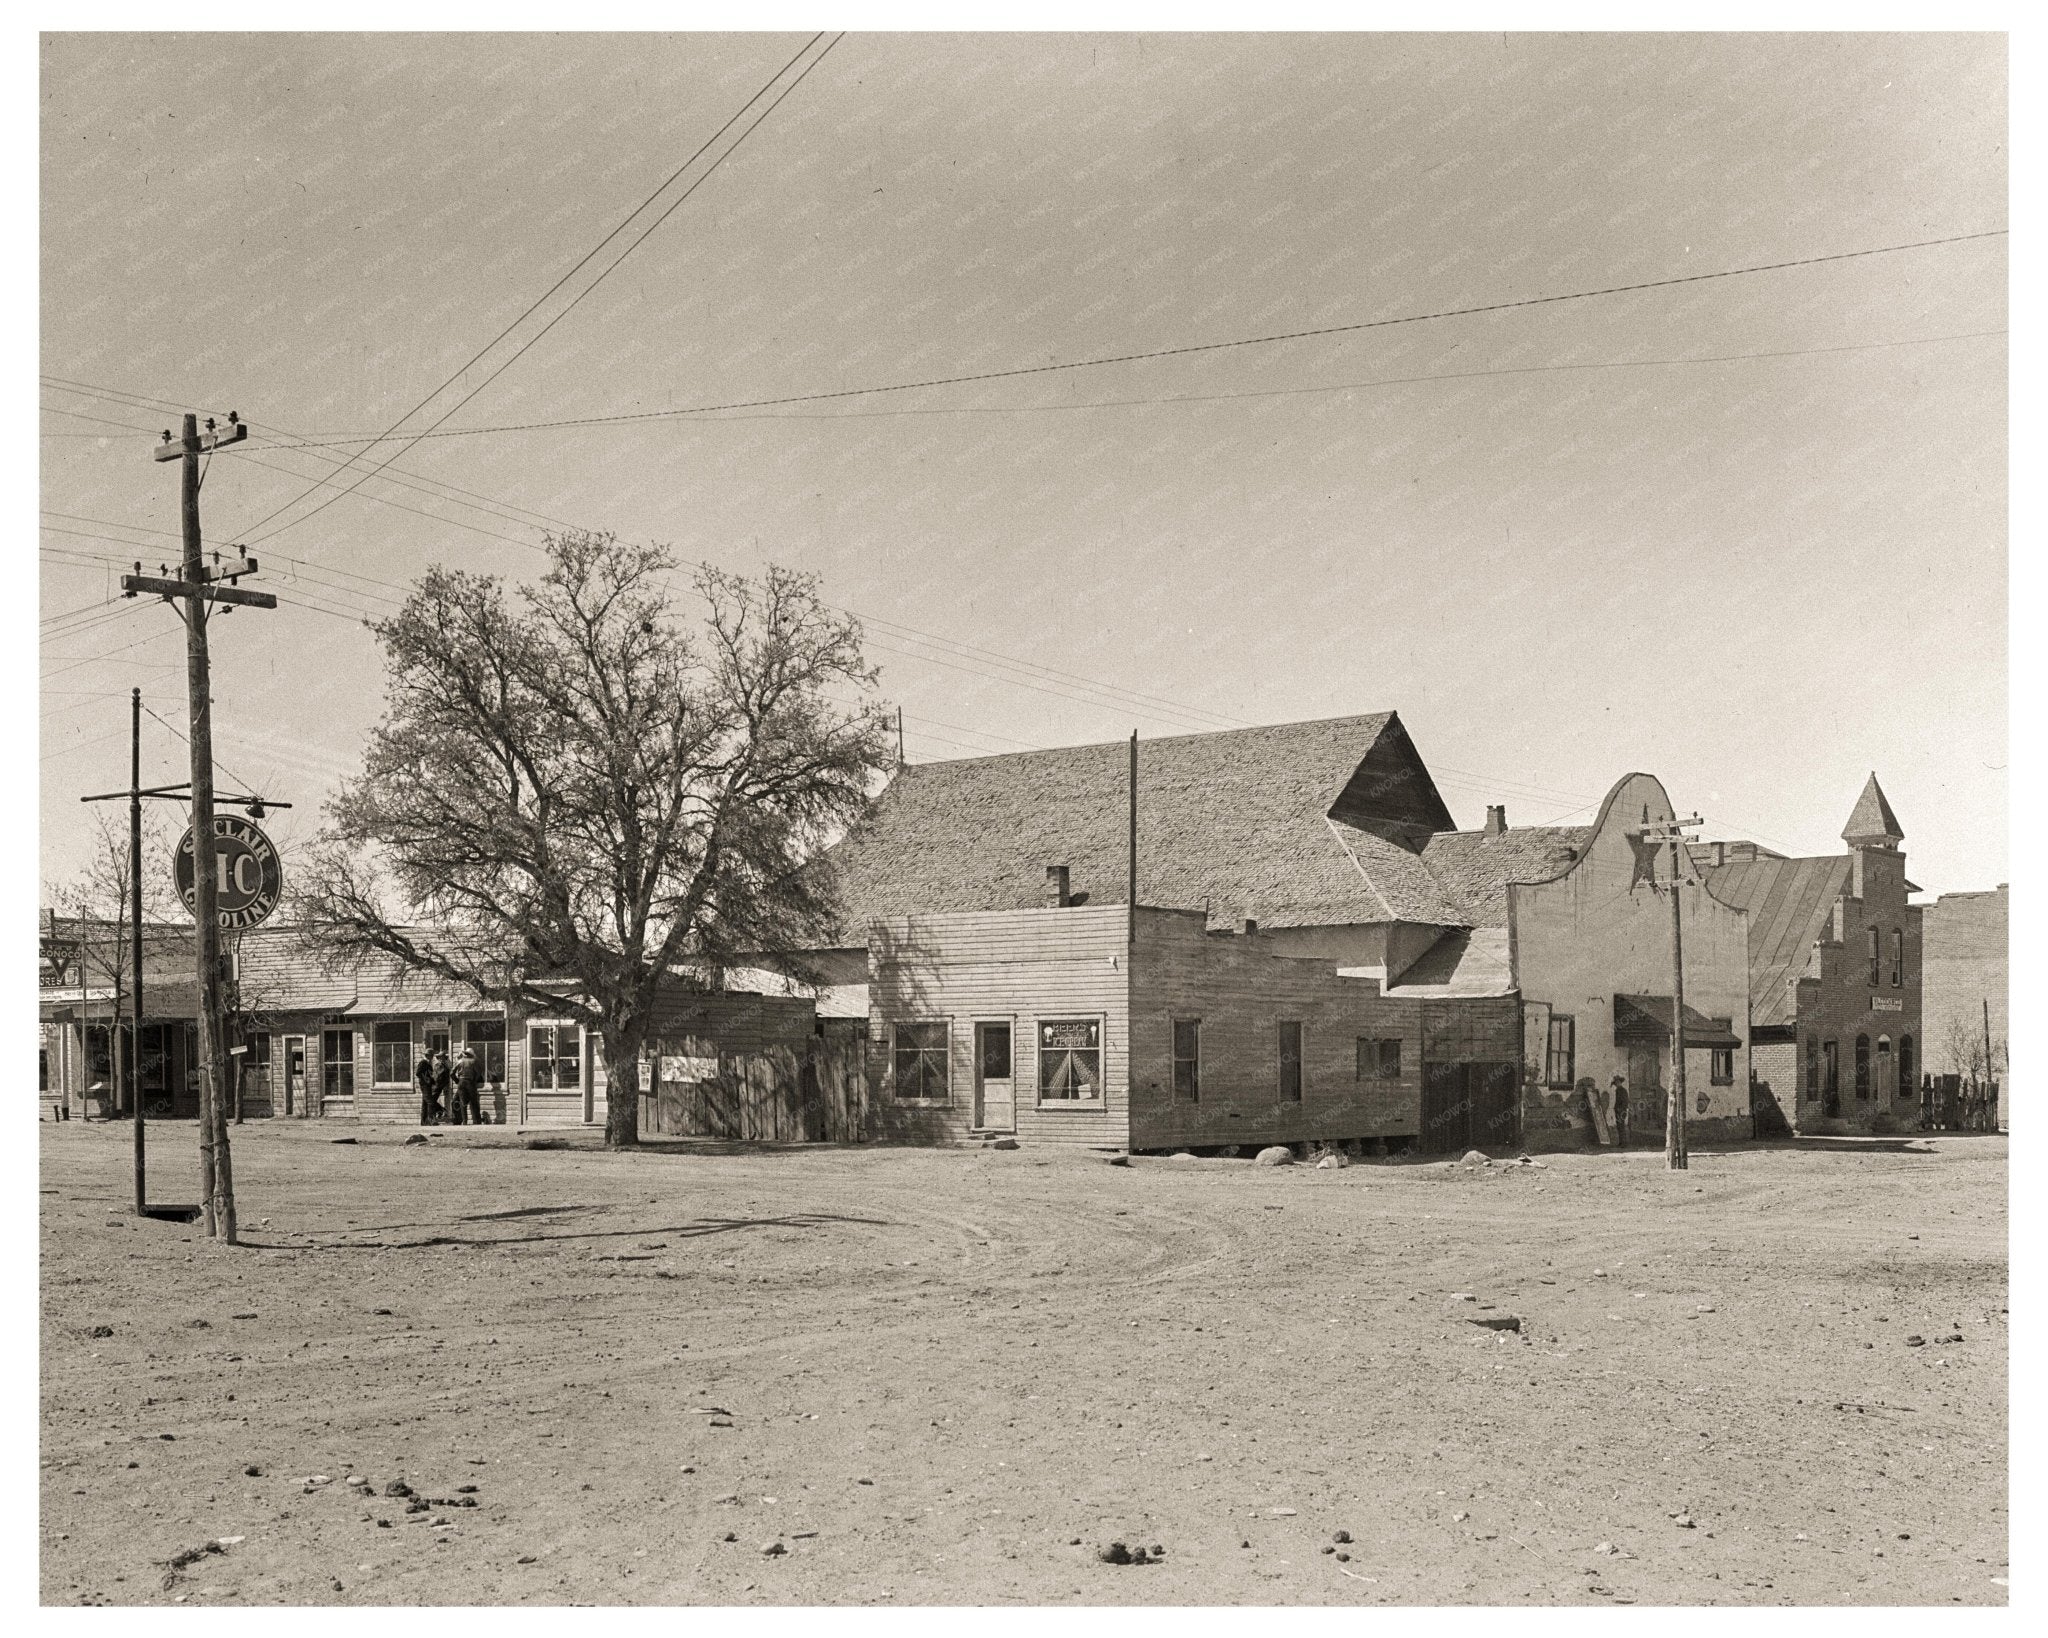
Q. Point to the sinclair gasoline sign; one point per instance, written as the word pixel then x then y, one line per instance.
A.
pixel 247 879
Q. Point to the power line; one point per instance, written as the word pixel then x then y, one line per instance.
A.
pixel 1191 349
pixel 1286 392
pixel 570 306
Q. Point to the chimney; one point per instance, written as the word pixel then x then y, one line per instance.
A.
pixel 1720 853
pixel 1496 819
pixel 1246 924
pixel 1055 887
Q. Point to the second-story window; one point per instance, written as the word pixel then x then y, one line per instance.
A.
pixel 1873 957
pixel 1898 959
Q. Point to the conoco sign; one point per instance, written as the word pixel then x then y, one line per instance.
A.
pixel 248 878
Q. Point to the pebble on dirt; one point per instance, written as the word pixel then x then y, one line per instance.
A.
pixel 102 1331
pixel 1342 1538
pixel 1115 1553
pixel 773 1549
pixel 1335 1160
pixel 1277 1155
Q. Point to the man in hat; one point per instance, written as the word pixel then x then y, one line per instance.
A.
pixel 468 1111
pixel 430 1096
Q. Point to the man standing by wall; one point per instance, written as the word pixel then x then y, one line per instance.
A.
pixel 467 1075
pixel 430 1096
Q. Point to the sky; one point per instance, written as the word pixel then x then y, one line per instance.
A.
pixel 1745 533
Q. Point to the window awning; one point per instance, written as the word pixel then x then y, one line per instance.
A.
pixel 1648 1018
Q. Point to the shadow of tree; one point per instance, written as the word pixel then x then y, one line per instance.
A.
pixel 702 1227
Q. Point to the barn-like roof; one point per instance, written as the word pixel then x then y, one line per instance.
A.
pixel 1299 824
pixel 1789 901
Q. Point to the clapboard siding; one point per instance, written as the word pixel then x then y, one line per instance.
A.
pixel 1026 966
pixel 1241 990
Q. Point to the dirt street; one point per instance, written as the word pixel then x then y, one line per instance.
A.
pixel 952 1376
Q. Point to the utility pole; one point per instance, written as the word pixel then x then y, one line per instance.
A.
pixel 197 589
pixel 135 934
pixel 1133 882
pixel 1673 831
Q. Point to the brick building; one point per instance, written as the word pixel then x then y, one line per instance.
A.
pixel 1834 976
pixel 1963 955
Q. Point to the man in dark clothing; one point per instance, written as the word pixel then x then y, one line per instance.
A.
pixel 430 1097
pixel 441 1083
pixel 467 1074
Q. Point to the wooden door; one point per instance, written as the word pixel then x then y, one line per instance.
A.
pixel 995 1088
pixel 1645 1091
pixel 293 1071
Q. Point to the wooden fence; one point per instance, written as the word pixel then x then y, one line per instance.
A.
pixel 814 1094
pixel 1958 1103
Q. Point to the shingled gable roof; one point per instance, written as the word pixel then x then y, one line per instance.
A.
pixel 1298 824
pixel 1476 866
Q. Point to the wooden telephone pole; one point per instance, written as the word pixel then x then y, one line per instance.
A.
pixel 194 591
pixel 1672 831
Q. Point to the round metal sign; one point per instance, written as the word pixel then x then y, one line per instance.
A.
pixel 248 877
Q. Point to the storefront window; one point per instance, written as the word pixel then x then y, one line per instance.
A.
pixel 554 1057
pixel 1069 1059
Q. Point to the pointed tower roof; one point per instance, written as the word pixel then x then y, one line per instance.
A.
pixel 1873 824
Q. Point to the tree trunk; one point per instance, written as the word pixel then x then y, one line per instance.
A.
pixel 622 1043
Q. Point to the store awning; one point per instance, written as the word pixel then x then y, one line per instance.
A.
pixel 163 1001
pixel 1648 1018
pixel 415 994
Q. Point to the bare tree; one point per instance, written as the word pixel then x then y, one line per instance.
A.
pixel 1962 1044
pixel 99 942
pixel 584 804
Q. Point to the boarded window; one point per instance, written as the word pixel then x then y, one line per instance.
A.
pixel 1812 1068
pixel 1290 1061
pixel 486 1038
pixel 1898 959
pixel 1560 1061
pixel 920 1063
pixel 337 1063
pixel 1379 1058
pixel 554 1057
pixel 391 1053
pixel 1862 1066
pixel 1909 1087
pixel 1069 1059
pixel 1721 1067
pixel 1187 1059
pixel 1831 1068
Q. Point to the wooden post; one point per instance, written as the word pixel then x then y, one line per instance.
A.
pixel 135 933
pixel 196 591
pixel 1675 1157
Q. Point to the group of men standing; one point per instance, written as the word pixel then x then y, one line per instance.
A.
pixel 440 1082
